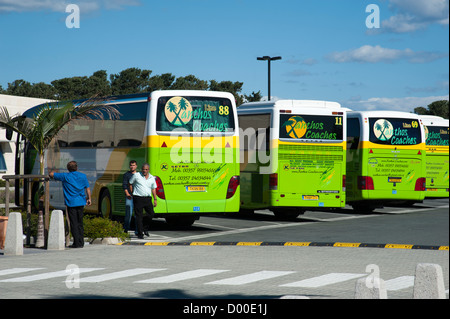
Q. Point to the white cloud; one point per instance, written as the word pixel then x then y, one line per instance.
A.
pixel 60 5
pixel 376 54
pixel 413 15
pixel 402 104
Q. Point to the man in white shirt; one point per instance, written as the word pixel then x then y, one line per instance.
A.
pixel 143 186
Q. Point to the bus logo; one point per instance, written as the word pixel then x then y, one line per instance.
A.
pixel 296 127
pixel 383 130
pixel 178 111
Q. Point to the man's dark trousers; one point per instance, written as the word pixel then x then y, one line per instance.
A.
pixel 76 225
pixel 141 204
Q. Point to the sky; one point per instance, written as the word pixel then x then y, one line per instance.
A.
pixel 331 50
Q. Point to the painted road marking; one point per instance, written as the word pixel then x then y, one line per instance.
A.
pixel 250 278
pixel 118 275
pixel 399 283
pixel 48 275
pixel 324 280
pixel 14 271
pixel 182 276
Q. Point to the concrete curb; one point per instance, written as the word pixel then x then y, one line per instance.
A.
pixel 287 244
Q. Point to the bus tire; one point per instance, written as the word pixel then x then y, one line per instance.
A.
pixel 105 204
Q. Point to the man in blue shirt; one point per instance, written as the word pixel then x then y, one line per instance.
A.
pixel 75 188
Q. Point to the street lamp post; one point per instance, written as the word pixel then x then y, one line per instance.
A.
pixel 269 59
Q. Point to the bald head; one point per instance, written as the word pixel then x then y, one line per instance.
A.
pixel 145 169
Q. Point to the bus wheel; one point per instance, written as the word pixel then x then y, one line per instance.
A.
pixel 181 221
pixel 105 204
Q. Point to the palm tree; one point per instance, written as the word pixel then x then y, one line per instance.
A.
pixel 49 119
pixel 378 127
pixel 173 109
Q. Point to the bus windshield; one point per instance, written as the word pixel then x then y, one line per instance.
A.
pixel 395 131
pixel 195 114
pixel 311 127
pixel 437 135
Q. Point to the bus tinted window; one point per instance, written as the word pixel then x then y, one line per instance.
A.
pixel 195 114
pixel 437 135
pixel 394 131
pixel 127 131
pixel 353 133
pixel 311 127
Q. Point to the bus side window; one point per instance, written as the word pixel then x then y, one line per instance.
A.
pixel 353 133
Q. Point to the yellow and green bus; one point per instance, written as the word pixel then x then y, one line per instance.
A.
pixel 385 159
pixel 189 138
pixel 436 134
pixel 292 156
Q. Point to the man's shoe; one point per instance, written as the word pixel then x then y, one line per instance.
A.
pixel 146 234
pixel 140 237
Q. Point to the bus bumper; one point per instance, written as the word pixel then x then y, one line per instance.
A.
pixel 298 200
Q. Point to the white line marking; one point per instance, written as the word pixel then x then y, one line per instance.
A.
pixel 324 280
pixel 13 271
pixel 250 278
pixel 399 283
pixel 408 211
pixel 118 275
pixel 48 275
pixel 182 276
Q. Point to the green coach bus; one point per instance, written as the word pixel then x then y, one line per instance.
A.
pixel 292 156
pixel 436 134
pixel 189 138
pixel 385 159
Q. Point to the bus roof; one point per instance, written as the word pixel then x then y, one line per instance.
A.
pixel 126 98
pixel 382 114
pixel 140 97
pixel 294 104
pixel 156 94
pixel 434 120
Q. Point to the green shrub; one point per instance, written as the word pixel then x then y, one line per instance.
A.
pixel 99 227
